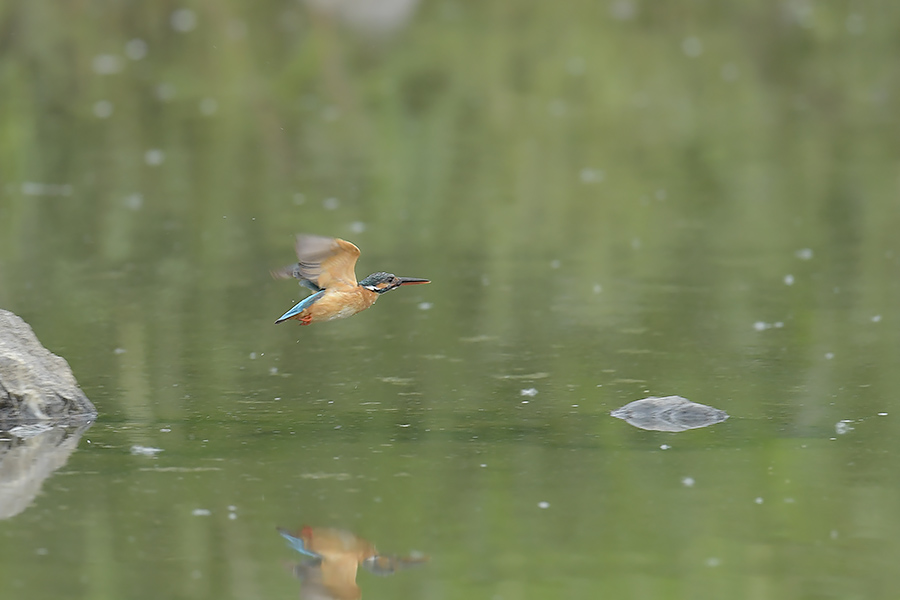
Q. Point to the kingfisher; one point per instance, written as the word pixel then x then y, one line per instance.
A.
pixel 326 266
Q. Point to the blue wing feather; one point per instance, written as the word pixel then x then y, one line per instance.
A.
pixel 301 306
pixel 297 544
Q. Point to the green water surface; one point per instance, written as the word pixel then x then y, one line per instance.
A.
pixel 612 199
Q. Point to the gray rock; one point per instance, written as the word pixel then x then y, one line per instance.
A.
pixel 671 413
pixel 35 384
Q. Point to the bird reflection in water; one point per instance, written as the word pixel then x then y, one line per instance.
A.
pixel 331 559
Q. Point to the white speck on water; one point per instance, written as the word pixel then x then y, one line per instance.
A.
pixel 804 253
pixel 557 108
pixel 403 424
pixel 788 280
pixel 843 426
pixel 120 351
pixel 665 447
pixel 730 72
pixel 253 356
pixel 778 324
pixel 713 562
pixel 201 512
pixel 232 516
pixel 183 20
pixel 882 414
pixel 299 199
pixel 483 465
pixel 597 288
pixel 425 305
pixel 165 92
pixel 524 401
pixel 623 10
pixel 145 450
pixel 692 47
pixel 33 188
pixel 331 114
pixel 758 500
pixel 543 504
pixel 154 157
pixel 357 226
pixel 236 30
pixel 209 106
pixel 528 392
pixel 337 427
pixel 273 370
pixel 687 482
pixel 136 49
pixel 331 203
pixel 876 318
pixel 106 64
pixel 591 175
pixel 103 109
pixel 855 23
pixel 165 430
pixel 575 65
pixel 134 201
pixel 761 326
pixel 555 264
pixel 574 406
pixel 829 355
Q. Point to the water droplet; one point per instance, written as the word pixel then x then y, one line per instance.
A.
pixel 209 106
pixel 103 109
pixel 165 91
pixel 154 157
pixel 136 49
pixel 843 426
pixel 692 47
pixel 688 482
pixel 588 175
pixel 183 20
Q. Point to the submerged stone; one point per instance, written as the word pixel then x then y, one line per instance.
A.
pixel 671 413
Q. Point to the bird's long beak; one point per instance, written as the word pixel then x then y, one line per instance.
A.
pixel 412 280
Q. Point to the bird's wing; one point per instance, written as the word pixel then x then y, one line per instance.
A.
pixel 301 306
pixel 326 262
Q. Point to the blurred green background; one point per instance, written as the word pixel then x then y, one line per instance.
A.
pixel 612 199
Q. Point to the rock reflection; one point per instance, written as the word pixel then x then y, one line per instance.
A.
pixel 671 413
pixel 28 455
pixel 332 557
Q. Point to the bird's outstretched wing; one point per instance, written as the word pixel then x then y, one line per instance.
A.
pixel 323 262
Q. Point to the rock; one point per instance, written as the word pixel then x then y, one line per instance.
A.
pixel 35 384
pixel 671 413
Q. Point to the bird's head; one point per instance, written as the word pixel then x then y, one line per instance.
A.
pixel 382 282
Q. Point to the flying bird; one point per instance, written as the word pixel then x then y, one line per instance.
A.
pixel 327 266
